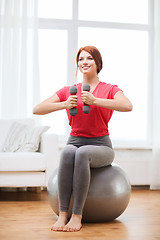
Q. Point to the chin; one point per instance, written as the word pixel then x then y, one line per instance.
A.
pixel 87 71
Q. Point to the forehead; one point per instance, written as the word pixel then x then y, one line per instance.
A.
pixel 84 54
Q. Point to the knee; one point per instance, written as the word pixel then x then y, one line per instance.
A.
pixel 68 154
pixel 82 154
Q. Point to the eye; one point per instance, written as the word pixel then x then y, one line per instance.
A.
pixel 80 59
pixel 90 58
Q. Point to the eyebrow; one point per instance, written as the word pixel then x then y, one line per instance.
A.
pixel 87 56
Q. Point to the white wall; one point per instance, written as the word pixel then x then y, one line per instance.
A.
pixel 136 164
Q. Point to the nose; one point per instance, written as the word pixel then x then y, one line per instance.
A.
pixel 85 61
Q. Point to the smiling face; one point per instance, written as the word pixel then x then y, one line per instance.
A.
pixel 86 63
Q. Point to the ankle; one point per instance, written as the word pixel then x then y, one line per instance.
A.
pixel 63 214
pixel 77 216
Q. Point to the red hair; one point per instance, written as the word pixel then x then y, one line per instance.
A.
pixel 94 53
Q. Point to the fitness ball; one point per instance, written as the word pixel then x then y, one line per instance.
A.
pixel 107 198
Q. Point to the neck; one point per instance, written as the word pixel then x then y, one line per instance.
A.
pixel 90 79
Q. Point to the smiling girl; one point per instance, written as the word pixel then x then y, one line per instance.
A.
pixel 89 144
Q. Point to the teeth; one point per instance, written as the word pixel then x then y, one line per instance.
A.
pixel 86 67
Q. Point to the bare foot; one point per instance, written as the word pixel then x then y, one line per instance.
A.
pixel 74 224
pixel 61 222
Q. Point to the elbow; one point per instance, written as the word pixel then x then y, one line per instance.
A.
pixel 129 107
pixel 35 110
pixel 126 107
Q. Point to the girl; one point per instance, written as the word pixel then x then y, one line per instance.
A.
pixel 88 145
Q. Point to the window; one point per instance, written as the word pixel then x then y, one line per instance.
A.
pixel 124 54
pixel 122 11
pixel 53 71
pixel 61 9
pixel 121 30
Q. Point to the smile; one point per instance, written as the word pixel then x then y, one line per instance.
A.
pixel 85 67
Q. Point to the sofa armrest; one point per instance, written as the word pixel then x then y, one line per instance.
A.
pixel 49 147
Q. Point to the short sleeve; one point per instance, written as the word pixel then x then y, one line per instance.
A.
pixel 61 93
pixel 114 90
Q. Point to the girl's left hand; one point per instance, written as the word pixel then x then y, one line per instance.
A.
pixel 87 97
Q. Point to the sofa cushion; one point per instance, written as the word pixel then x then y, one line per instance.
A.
pixel 5 125
pixel 19 161
pixel 22 179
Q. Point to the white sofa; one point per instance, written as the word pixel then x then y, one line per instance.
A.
pixel 27 169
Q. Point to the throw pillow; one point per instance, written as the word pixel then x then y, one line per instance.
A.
pixel 23 138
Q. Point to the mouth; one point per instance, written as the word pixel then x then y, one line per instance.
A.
pixel 86 67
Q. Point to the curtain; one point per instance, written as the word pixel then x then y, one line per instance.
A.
pixel 155 168
pixel 19 73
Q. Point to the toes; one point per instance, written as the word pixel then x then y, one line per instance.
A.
pixel 70 229
pixel 60 229
pixel 65 229
pixel 53 229
pixel 56 228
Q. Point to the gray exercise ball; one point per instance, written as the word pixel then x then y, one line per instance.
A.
pixel 107 198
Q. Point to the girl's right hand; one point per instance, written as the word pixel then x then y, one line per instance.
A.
pixel 72 101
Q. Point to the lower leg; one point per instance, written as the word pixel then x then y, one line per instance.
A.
pixel 65 177
pixel 81 180
pixel 65 181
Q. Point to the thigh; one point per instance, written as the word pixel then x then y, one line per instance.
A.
pixel 98 156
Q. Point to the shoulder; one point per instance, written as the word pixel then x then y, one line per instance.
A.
pixel 107 85
pixel 109 89
pixel 62 93
pixel 65 90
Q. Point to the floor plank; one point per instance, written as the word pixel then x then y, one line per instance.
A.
pixel 28 215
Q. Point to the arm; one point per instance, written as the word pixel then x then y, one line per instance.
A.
pixel 53 104
pixel 120 102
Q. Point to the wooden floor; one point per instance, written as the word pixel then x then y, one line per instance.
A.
pixel 27 215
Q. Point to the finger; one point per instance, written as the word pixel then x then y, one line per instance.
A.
pixel 73 96
pixel 84 100
pixel 84 93
pixel 72 106
pixel 73 101
pixel 84 97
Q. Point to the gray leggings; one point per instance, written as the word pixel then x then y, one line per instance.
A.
pixel 78 156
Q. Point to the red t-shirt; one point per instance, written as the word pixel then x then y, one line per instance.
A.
pixel 94 124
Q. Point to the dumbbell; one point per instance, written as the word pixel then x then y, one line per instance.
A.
pixel 86 108
pixel 73 91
